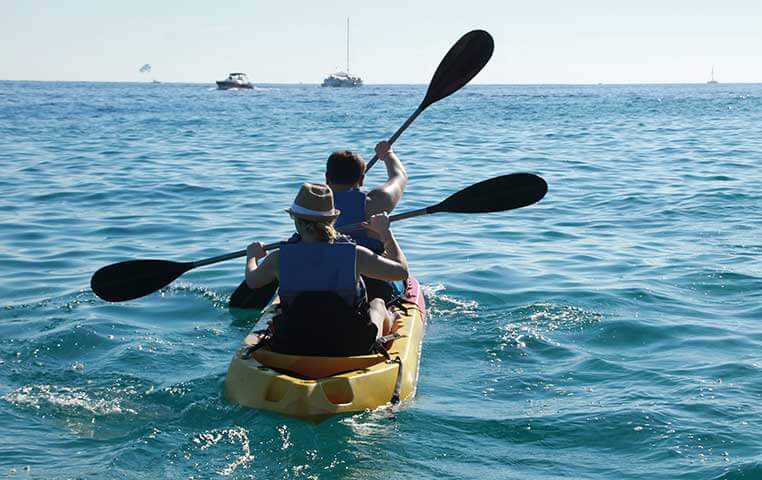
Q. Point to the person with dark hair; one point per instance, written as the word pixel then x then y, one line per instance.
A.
pixel 324 304
pixel 345 174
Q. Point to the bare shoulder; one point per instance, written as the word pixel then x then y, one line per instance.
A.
pixel 379 200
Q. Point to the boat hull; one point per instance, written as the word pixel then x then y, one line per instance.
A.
pixel 326 386
pixel 332 82
pixel 223 85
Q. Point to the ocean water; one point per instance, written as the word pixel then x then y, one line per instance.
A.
pixel 611 331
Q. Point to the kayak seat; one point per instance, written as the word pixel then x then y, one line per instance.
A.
pixel 314 367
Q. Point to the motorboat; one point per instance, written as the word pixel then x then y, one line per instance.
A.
pixel 235 81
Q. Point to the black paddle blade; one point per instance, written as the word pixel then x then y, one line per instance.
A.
pixel 245 297
pixel 464 60
pixel 135 278
pixel 495 195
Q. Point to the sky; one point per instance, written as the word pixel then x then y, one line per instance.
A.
pixel 391 41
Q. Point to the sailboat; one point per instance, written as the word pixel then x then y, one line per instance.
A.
pixel 712 80
pixel 343 79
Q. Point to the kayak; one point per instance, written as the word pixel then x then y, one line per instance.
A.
pixel 314 388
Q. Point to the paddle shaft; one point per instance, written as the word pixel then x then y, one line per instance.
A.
pixel 230 256
pixel 474 196
pixel 397 134
pixel 460 64
pixel 132 279
pixel 275 245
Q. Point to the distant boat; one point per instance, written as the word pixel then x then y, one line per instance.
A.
pixel 146 69
pixel 712 80
pixel 235 80
pixel 343 79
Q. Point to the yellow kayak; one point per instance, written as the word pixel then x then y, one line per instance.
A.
pixel 314 388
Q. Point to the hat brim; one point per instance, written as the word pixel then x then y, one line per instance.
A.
pixel 332 215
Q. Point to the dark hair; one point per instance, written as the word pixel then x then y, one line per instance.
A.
pixel 344 168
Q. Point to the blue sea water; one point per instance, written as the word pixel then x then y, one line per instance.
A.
pixel 610 331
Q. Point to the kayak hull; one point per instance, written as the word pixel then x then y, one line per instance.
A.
pixel 314 388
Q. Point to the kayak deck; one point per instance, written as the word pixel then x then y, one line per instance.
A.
pixel 313 388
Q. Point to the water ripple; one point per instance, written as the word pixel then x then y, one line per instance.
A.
pixel 610 331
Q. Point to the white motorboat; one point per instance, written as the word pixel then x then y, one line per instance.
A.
pixel 235 80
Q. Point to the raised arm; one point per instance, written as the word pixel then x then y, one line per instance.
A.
pixel 385 197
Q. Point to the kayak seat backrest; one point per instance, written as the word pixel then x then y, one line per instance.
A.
pixel 322 324
pixel 313 367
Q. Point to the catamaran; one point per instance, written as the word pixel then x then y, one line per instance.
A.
pixel 343 79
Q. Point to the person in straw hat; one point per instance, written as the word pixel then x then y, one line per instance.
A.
pixel 324 305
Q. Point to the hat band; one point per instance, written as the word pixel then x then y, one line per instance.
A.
pixel 300 210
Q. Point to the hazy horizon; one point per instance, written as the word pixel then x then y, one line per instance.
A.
pixel 546 42
pixel 367 84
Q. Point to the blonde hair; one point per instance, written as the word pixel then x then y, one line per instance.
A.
pixel 322 229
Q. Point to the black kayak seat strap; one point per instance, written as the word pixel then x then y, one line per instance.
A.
pixel 265 336
pixel 379 347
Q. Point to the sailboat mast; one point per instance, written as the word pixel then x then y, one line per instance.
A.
pixel 347 45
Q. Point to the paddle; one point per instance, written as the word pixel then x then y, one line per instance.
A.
pixel 136 278
pixel 461 63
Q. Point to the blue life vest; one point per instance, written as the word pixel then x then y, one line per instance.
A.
pixel 319 267
pixel 352 206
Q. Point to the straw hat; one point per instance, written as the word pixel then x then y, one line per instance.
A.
pixel 314 202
